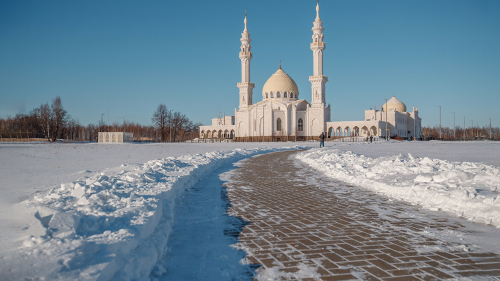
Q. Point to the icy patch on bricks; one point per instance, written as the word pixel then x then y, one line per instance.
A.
pixel 274 273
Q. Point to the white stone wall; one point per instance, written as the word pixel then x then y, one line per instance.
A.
pixel 348 128
pixel 217 132
pixel 115 137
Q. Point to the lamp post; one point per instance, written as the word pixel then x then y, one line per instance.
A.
pixel 101 120
pixel 170 125
pixel 386 135
pixel 263 122
pixel 472 129
pixel 439 121
pixel 464 126
pixel 414 125
pixel 454 131
pixel 490 128
pixel 477 130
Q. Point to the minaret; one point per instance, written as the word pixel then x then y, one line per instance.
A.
pixel 317 46
pixel 245 86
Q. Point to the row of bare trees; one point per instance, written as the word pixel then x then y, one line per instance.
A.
pixel 46 121
pixel 173 126
pixel 52 122
pixel 472 133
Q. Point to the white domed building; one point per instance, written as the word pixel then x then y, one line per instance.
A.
pixel 399 123
pixel 282 116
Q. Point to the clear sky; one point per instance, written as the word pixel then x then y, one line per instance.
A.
pixel 134 55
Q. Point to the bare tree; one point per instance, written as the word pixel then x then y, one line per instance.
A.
pixel 44 119
pixel 160 121
pixel 59 118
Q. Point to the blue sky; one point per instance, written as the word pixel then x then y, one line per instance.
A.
pixel 134 55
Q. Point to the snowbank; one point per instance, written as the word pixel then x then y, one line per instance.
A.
pixel 114 224
pixel 469 190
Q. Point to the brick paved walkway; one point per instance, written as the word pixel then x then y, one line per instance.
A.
pixel 341 232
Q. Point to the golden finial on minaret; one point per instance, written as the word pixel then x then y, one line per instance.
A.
pixel 280 64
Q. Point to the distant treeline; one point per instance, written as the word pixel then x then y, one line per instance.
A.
pixel 52 122
pixel 472 133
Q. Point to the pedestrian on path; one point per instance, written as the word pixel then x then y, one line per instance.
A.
pixel 322 140
pixel 371 139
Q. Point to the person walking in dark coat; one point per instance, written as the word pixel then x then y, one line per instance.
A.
pixel 322 140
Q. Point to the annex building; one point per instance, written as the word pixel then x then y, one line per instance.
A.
pixel 281 115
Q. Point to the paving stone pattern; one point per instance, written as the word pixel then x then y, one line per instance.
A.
pixel 295 222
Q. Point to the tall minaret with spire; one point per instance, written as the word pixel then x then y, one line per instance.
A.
pixel 317 46
pixel 245 86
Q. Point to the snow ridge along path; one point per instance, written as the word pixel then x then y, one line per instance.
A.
pixel 114 224
pixel 469 190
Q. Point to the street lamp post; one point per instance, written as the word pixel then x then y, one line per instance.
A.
pixel 490 128
pixel 414 125
pixel 454 131
pixel 464 126
pixel 170 124
pixel 101 120
pixel 477 130
pixel 472 129
pixel 439 121
pixel 263 120
pixel 386 135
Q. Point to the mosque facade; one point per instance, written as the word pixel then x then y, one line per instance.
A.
pixel 283 116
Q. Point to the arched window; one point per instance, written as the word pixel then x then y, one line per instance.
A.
pixel 267 95
pixel 278 124
pixel 272 96
pixel 278 95
pixel 285 95
pixel 291 95
pixel 300 125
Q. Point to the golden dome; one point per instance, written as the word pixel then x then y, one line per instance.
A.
pixel 280 82
pixel 394 103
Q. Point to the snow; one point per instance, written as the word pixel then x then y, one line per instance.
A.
pixel 434 180
pixel 92 211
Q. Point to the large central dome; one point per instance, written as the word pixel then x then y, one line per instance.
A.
pixel 280 86
pixel 394 103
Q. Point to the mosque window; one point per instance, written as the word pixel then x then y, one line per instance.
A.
pixel 278 95
pixel 267 95
pixel 285 95
pixel 272 96
pixel 278 124
pixel 300 125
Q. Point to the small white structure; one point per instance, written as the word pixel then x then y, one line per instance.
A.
pixel 115 137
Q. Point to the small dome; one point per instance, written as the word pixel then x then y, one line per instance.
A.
pixel 394 103
pixel 280 82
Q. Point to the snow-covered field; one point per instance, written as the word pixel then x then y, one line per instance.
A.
pixel 90 211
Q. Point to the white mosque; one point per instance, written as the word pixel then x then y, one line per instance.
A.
pixel 282 116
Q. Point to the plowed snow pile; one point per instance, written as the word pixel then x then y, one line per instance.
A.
pixel 114 224
pixel 469 190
